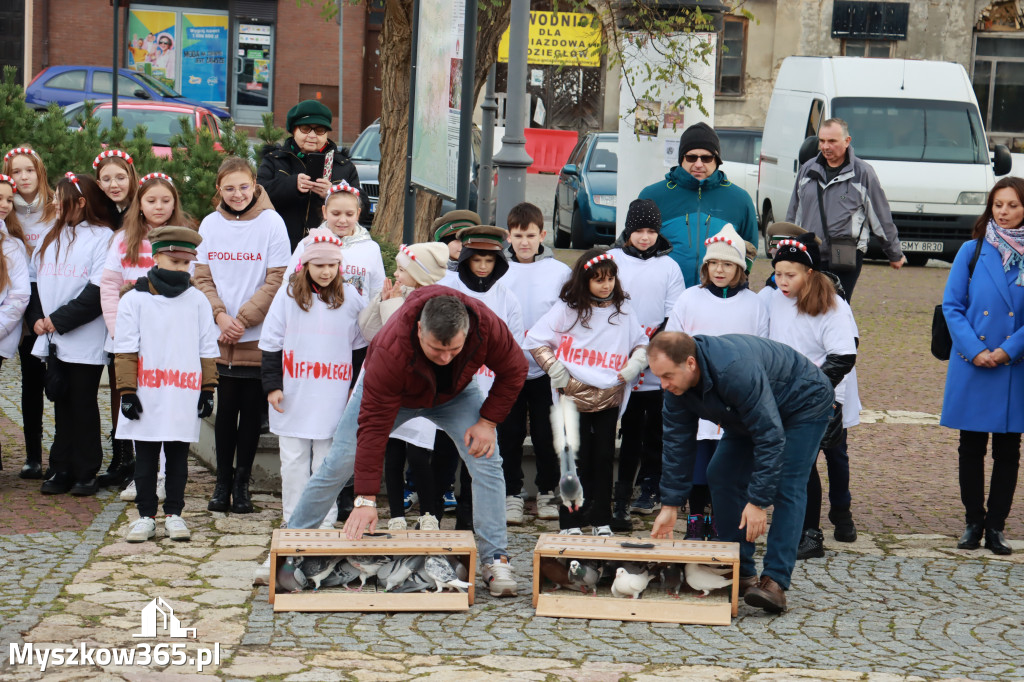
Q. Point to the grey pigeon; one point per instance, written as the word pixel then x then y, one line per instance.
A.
pixel 584 575
pixel 396 572
pixel 704 578
pixel 343 574
pixel 443 575
pixel 672 579
pixel 418 581
pixel 460 568
pixel 628 584
pixel 319 568
pixel 290 577
pixel 367 567
pixel 565 426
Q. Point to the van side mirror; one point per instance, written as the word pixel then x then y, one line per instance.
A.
pixel 1002 161
pixel 140 93
pixel 808 149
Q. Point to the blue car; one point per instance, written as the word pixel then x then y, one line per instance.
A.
pixel 68 84
pixel 585 196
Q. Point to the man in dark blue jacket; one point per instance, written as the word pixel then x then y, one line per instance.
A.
pixel 773 405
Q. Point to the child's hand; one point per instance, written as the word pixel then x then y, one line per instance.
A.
pixel 387 290
pixel 230 328
pixel 274 398
pixel 205 406
pixel 131 406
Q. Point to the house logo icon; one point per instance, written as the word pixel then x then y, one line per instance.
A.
pixel 158 611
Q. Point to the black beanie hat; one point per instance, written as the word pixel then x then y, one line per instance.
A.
pixel 700 136
pixel 802 249
pixel 643 213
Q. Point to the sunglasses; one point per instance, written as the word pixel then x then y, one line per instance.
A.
pixel 704 158
pixel 164 42
pixel 319 130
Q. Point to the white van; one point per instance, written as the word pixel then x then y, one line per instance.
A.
pixel 916 122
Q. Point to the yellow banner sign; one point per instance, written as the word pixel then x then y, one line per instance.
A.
pixel 560 38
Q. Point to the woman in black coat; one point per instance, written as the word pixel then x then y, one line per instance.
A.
pixel 296 175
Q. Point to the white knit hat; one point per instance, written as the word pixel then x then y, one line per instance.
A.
pixel 726 246
pixel 426 263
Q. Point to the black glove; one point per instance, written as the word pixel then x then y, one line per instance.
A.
pixel 834 430
pixel 205 404
pixel 131 406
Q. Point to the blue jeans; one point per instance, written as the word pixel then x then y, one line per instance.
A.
pixel 454 417
pixel 729 475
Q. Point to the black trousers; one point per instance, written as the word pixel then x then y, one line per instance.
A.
pixel 641 441
pixel 1005 462
pixel 533 405
pixel 848 279
pixel 76 445
pixel 147 466
pixel 240 402
pixel 595 462
pixel 32 372
pixel 427 476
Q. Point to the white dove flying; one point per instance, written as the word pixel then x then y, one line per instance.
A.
pixel 705 578
pixel 565 427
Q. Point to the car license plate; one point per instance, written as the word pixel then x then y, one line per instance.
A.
pixel 373 207
pixel 929 247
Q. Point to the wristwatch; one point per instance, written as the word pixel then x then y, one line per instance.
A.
pixel 361 501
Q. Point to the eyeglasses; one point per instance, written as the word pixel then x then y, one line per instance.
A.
pixel 244 189
pixel 319 130
pixel 704 158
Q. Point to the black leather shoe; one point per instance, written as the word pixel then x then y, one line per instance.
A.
pixel 85 488
pixel 971 539
pixel 32 470
pixel 220 501
pixel 58 484
pixel 996 541
pixel 812 544
pixel 621 521
pixel 241 503
pixel 842 519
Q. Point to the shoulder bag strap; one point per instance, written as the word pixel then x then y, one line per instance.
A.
pixel 974 259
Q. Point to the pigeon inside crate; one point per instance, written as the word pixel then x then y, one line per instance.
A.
pixel 455 545
pixel 597 560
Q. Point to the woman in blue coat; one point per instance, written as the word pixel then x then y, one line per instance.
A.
pixel 985 382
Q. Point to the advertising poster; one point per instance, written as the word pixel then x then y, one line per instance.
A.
pixel 560 39
pixel 152 44
pixel 204 50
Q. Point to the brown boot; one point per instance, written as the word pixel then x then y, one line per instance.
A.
pixel 746 582
pixel 767 595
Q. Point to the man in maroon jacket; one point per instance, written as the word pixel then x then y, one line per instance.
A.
pixel 422 364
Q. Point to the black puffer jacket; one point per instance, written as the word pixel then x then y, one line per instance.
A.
pixel 278 174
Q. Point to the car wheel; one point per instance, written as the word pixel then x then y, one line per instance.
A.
pixel 917 260
pixel 767 218
pixel 561 237
pixel 579 235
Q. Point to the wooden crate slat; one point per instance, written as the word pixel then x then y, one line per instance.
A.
pixel 367 601
pixel 646 610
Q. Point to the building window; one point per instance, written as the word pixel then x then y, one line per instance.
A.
pixel 732 55
pixel 868 48
pixel 998 78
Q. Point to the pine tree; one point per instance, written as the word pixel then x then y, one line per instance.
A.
pixel 16 118
pixel 193 165
pixel 270 134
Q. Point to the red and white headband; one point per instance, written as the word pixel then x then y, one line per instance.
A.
pixel 74 179
pixel 111 154
pixel 405 250
pixel 799 246
pixel 597 259
pixel 155 176
pixel 342 187
pixel 10 181
pixel 718 238
pixel 20 150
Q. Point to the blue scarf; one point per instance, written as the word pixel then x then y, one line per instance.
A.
pixel 1010 244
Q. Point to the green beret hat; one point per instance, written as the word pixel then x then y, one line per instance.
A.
pixel 308 112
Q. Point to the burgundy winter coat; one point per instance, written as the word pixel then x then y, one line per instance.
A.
pixel 398 374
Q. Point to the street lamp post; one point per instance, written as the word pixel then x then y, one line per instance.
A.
pixel 489 107
pixel 512 161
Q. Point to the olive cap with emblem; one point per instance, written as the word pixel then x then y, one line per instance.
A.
pixel 175 240
pixel 445 227
pixel 483 237
pixel 783 230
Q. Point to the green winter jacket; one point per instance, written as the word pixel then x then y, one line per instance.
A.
pixel 693 210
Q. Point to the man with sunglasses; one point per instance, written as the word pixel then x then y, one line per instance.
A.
pixel 697 200
pixel 295 173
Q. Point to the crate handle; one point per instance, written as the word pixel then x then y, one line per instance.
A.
pixel 377 535
pixel 637 545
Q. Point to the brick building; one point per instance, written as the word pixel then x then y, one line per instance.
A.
pixel 249 56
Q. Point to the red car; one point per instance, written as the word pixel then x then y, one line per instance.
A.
pixel 161 121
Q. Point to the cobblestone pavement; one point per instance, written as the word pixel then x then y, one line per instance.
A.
pixel 899 604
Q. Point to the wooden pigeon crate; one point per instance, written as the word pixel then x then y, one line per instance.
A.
pixel 564 603
pixel 297 542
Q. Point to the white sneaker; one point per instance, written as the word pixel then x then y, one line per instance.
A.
pixel 514 510
pixel 397 523
pixel 326 525
pixel 547 507
pixel 499 578
pixel 128 494
pixel 142 529
pixel 175 528
pixel 261 574
pixel 602 531
pixel 428 522
pixel 570 531
pixel 161 489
